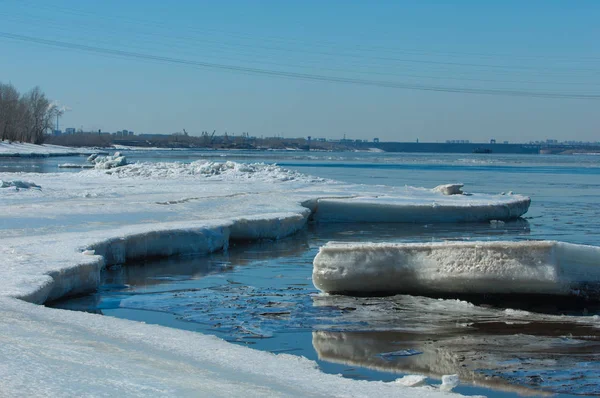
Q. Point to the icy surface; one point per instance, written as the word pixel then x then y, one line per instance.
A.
pixel 55 241
pixel 18 184
pixel 536 267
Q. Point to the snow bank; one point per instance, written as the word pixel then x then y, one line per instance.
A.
pixel 80 354
pixel 540 267
pixel 216 170
pixel 21 149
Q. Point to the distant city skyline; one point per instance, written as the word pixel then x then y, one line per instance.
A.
pixel 399 71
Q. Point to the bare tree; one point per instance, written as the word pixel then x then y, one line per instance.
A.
pixel 9 105
pixel 25 117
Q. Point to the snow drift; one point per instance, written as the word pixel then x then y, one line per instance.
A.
pixel 532 267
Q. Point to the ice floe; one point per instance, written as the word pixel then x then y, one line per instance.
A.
pixel 420 206
pixel 529 267
pixel 449 189
pixel 109 162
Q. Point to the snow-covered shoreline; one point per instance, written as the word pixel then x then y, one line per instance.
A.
pixel 55 240
pixel 26 150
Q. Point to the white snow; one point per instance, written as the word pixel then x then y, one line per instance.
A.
pixel 449 382
pixel 412 380
pixel 54 242
pixel 109 162
pixel 543 267
pixel 21 149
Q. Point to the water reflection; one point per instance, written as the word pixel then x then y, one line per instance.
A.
pixel 507 349
pixel 404 353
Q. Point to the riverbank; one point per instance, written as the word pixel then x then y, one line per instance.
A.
pixel 21 149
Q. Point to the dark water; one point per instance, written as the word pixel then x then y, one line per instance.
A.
pixel 261 295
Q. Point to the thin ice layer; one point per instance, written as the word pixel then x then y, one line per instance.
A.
pixel 540 267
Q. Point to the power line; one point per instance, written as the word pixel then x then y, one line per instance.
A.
pixel 295 75
pixel 284 40
pixel 243 49
pixel 348 55
pixel 357 68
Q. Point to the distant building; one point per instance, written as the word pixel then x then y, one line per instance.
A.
pixel 375 140
pixel 70 130
pixel 56 132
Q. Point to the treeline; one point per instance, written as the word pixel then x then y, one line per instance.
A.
pixel 25 117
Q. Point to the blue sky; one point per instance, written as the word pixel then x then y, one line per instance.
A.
pixel 529 47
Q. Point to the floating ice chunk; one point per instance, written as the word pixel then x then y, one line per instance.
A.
pixel 92 157
pixel 449 382
pixel 449 189
pixel 18 184
pixel 421 206
pixel 412 380
pixel 110 162
pixel 532 267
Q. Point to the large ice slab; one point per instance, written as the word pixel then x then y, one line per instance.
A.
pixel 421 206
pixel 536 267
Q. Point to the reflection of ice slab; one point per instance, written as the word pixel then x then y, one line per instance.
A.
pixel 537 267
pixel 365 348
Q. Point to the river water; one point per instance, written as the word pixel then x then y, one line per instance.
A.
pixel 261 294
